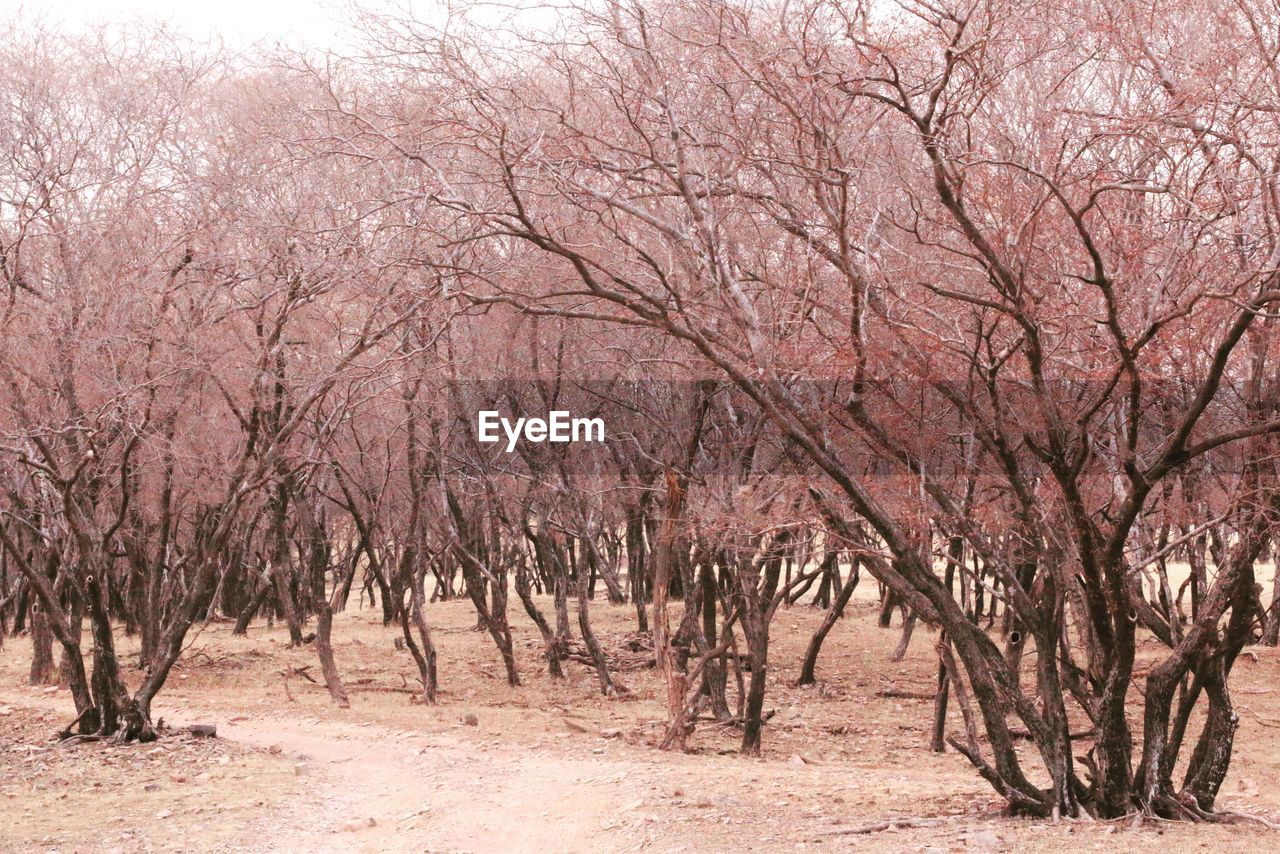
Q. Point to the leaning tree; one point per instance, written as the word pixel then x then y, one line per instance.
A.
pixel 892 227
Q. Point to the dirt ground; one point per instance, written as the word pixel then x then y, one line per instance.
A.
pixel 547 766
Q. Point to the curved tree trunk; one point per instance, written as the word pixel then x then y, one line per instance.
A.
pixel 834 613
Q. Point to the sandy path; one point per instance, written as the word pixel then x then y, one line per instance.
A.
pixel 370 788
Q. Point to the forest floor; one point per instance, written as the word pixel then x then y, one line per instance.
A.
pixel 549 766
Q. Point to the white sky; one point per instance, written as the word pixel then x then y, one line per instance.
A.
pixel 241 23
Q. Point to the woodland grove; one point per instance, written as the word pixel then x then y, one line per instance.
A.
pixel 973 301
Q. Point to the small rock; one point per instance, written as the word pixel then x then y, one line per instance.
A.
pixel 470 720
pixel 164 813
pixel 982 839
pixel 797 760
pixel 610 733
pixel 5 711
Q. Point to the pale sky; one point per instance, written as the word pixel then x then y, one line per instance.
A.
pixel 241 23
pixel 323 24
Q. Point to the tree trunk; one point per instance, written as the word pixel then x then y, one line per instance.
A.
pixel 424 656
pixel 550 648
pixel 663 651
pixel 324 638
pixel 42 668
pixel 607 686
pixel 833 614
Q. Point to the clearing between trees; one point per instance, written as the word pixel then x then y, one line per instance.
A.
pixel 548 765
